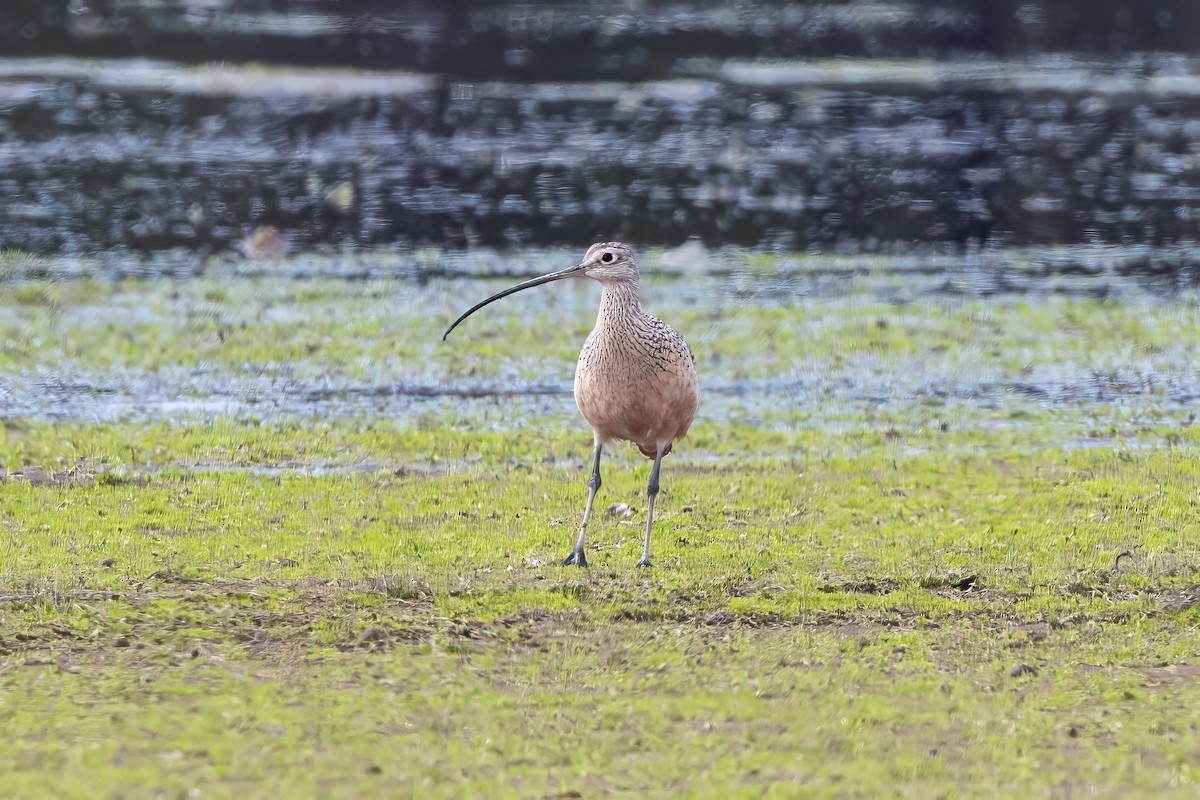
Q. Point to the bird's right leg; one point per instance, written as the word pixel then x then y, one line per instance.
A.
pixel 577 557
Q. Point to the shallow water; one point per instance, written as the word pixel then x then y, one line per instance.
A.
pixel 378 355
pixel 158 161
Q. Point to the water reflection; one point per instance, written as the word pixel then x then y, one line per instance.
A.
pixel 840 156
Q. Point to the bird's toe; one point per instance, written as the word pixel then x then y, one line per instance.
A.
pixel 577 558
pixel 645 562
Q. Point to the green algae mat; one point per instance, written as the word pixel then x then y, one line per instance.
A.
pixel 267 537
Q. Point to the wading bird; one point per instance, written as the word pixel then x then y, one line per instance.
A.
pixel 636 379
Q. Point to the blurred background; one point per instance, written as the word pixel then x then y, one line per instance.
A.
pixel 181 126
pixel 769 155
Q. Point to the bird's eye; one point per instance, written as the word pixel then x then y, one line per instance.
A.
pixel 607 258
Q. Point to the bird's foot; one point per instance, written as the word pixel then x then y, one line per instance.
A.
pixel 577 558
pixel 645 562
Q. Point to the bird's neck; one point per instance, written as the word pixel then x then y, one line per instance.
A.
pixel 619 302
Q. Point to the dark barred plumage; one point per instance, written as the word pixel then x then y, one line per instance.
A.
pixel 636 379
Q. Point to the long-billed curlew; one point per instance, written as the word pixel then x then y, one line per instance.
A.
pixel 636 379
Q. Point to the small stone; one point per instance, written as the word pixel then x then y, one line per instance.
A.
pixel 1021 670
pixel 369 637
pixel 622 510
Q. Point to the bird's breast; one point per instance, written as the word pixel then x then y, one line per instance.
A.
pixel 637 385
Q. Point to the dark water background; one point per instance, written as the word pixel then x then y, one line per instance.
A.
pixel 887 127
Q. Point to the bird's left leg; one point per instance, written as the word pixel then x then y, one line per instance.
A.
pixel 651 493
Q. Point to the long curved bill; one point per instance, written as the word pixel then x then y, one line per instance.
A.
pixel 569 272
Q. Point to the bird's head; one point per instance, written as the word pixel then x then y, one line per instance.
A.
pixel 610 263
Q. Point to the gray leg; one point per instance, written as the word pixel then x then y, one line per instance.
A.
pixel 577 557
pixel 651 493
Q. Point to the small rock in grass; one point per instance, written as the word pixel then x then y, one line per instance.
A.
pixel 370 637
pixel 1021 670
pixel 622 510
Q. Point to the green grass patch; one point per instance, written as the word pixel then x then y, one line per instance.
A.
pixel 866 620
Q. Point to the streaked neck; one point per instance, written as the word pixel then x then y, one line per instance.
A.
pixel 619 301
